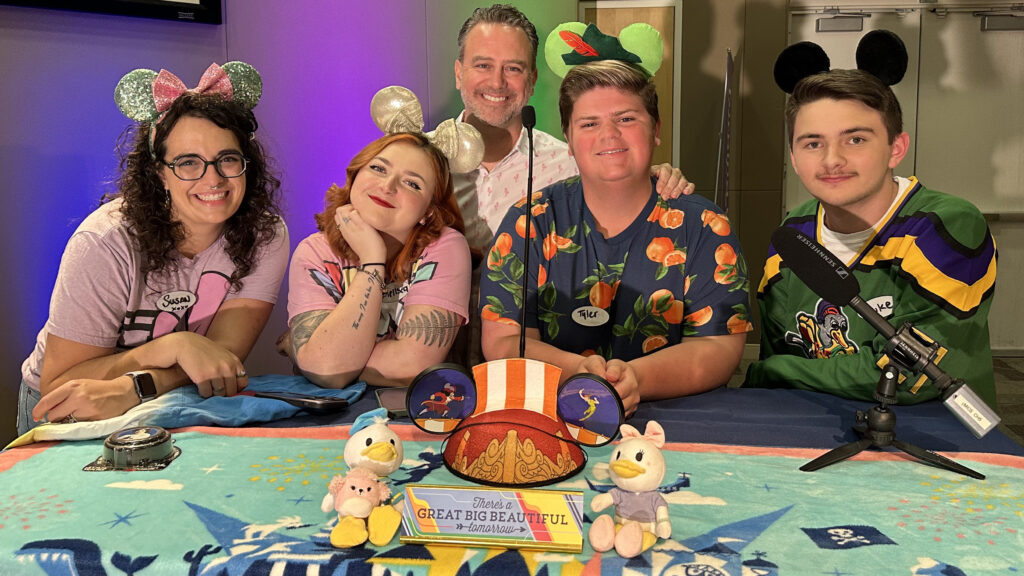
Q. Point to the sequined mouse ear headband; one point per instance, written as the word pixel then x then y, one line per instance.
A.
pixel 575 43
pixel 880 53
pixel 396 109
pixel 144 95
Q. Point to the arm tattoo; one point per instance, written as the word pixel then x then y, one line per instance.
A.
pixel 303 327
pixel 435 328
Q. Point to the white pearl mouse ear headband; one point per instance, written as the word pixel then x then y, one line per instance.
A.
pixel 396 109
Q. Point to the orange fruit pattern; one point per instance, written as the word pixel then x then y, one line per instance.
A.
pixel 671 219
pixel 719 223
pixel 654 342
pixel 521 227
pixel 738 324
pixel 700 317
pixel 658 248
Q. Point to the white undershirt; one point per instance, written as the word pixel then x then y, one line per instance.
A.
pixel 847 246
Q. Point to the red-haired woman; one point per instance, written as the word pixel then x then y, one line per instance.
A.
pixel 379 293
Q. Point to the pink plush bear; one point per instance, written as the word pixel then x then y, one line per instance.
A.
pixel 354 496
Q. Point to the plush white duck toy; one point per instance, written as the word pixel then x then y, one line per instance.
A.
pixel 637 468
pixel 373 446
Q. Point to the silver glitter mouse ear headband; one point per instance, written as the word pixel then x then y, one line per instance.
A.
pixel 396 109
pixel 144 95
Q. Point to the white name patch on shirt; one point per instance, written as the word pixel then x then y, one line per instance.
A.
pixel 176 301
pixel 883 305
pixel 590 316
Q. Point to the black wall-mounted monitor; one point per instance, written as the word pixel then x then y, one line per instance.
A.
pixel 204 11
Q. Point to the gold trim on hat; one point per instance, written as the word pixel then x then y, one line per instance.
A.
pixel 513 462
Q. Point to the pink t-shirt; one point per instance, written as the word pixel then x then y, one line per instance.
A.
pixel 101 298
pixel 317 279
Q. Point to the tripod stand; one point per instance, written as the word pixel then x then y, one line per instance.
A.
pixel 880 423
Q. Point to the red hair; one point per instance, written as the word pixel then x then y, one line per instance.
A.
pixel 443 210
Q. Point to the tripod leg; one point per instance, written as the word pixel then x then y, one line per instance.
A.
pixel 841 453
pixel 937 459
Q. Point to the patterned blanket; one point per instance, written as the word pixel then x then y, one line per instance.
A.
pixel 247 501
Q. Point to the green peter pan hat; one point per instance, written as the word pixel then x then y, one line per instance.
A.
pixel 575 43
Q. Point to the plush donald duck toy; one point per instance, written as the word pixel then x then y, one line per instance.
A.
pixel 637 468
pixel 360 497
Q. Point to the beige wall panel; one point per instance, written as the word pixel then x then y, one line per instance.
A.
pixel 971 136
pixel 760 155
pixel 662 18
pixel 1004 319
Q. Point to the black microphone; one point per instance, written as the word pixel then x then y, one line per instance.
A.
pixel 529 121
pixel 820 271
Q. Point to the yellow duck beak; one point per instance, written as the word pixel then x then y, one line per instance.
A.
pixel 626 468
pixel 380 452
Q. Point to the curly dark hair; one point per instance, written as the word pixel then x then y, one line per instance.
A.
pixel 147 212
pixel 443 210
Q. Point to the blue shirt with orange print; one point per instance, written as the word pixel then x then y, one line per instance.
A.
pixel 677 271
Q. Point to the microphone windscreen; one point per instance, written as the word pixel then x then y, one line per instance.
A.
pixel 815 266
pixel 529 117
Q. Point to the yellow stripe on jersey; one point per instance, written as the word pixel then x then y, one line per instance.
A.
pixel 771 270
pixel 958 294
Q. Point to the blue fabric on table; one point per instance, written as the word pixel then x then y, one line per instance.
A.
pixel 189 409
pixel 185 407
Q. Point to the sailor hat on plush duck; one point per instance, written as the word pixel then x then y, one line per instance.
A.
pixel 509 423
pixel 880 53
pixel 373 445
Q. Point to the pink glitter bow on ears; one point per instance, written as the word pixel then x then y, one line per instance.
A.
pixel 144 95
pixel 167 87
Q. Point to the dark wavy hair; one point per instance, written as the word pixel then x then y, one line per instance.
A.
pixel 147 211
pixel 842 84
pixel 443 210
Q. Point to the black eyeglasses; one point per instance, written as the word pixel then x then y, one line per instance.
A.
pixel 193 167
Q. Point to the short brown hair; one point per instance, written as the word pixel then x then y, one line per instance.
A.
pixel 605 73
pixel 846 85
pixel 505 14
pixel 443 210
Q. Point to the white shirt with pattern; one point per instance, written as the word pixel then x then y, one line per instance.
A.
pixel 484 196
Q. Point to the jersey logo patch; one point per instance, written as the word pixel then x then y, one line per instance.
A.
pixel 823 333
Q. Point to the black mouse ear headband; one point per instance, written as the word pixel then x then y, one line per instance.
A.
pixel 880 53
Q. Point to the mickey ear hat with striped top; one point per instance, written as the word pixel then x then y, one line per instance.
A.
pixel 509 423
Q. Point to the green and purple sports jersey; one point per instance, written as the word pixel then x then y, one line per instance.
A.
pixel 932 262
pixel 676 272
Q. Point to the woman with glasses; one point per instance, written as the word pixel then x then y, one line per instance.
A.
pixel 171 280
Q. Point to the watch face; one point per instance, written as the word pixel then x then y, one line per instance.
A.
pixel 145 387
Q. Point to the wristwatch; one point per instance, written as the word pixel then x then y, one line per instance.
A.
pixel 145 387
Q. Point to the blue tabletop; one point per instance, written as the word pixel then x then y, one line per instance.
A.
pixel 763 417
